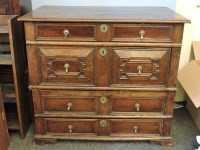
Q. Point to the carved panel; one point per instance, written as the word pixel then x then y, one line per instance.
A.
pixel 141 66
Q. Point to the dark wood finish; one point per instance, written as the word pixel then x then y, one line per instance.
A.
pixel 14 83
pixel 119 83
pixel 20 80
pixel 4 142
pixel 9 7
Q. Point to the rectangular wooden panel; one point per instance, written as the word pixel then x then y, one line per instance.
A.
pixel 65 32
pixel 142 33
pixel 137 126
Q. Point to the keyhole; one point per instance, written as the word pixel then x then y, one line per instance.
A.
pixel 103 51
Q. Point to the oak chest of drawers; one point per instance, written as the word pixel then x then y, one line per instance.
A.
pixel 103 73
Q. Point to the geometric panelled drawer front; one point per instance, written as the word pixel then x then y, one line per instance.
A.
pixel 66 64
pixel 140 66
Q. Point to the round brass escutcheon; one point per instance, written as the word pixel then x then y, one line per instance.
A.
pixel 103 123
pixel 104 28
pixel 103 100
pixel 103 51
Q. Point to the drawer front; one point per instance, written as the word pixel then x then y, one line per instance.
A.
pixel 143 33
pixel 70 126
pixel 69 104
pixel 138 104
pixel 73 65
pixel 112 103
pixel 65 32
pixel 140 66
pixel 136 126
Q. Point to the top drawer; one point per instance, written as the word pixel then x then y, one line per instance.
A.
pixel 65 32
pixel 142 33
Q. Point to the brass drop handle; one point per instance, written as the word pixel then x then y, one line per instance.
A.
pixel 135 129
pixel 141 33
pixel 139 68
pixel 69 106
pixel 137 106
pixel 70 127
pixel 66 66
pixel 66 33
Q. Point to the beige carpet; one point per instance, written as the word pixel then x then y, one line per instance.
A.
pixel 183 132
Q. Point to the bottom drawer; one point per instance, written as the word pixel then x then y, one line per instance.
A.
pixel 102 127
pixel 70 126
pixel 136 126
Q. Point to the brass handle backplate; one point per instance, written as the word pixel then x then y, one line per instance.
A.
pixel 103 123
pixel 69 106
pixel 139 68
pixel 104 28
pixel 66 66
pixel 103 100
pixel 142 33
pixel 70 127
pixel 66 33
pixel 135 129
pixel 137 106
pixel 103 51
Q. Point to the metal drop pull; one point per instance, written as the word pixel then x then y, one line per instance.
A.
pixel 66 66
pixel 139 68
pixel 66 33
pixel 69 106
pixel 137 106
pixel 135 129
pixel 70 127
pixel 142 33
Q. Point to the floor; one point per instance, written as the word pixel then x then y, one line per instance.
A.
pixel 184 133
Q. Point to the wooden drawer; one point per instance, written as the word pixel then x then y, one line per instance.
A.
pixel 61 65
pixel 65 32
pixel 136 126
pixel 142 33
pixel 74 104
pixel 140 66
pixel 138 104
pixel 112 103
pixel 70 126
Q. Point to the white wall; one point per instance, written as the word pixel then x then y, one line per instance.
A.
pixel 189 9
pixel 166 3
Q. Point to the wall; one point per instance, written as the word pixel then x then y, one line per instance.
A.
pixel 166 3
pixel 189 9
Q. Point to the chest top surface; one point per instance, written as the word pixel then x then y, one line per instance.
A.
pixel 104 14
